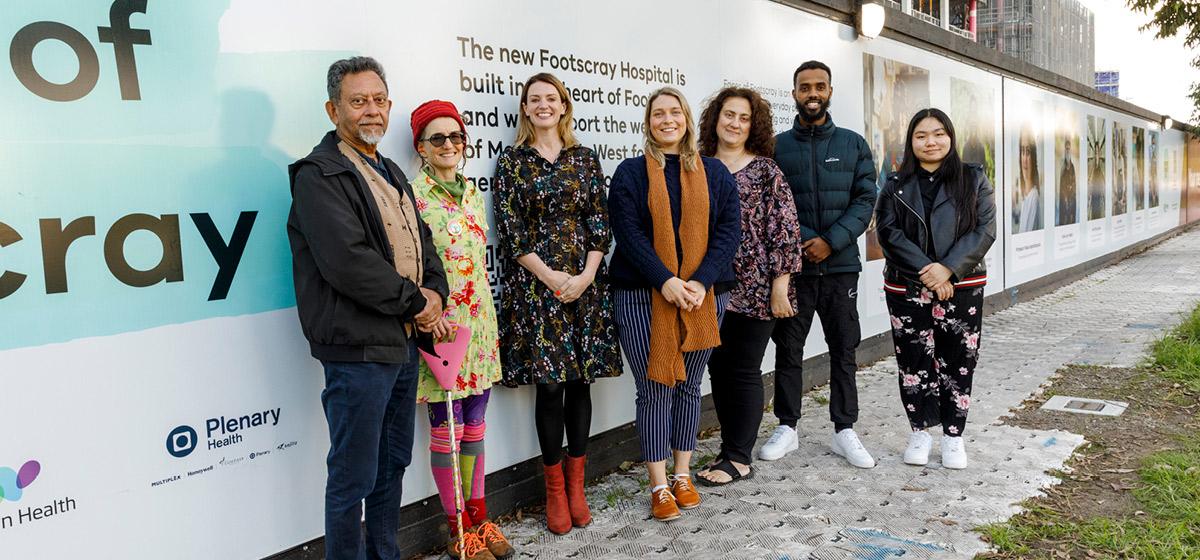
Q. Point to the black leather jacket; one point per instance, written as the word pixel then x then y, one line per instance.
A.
pixel 905 238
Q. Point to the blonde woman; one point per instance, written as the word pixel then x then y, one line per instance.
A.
pixel 677 223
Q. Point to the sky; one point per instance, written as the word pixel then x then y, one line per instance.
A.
pixel 1156 74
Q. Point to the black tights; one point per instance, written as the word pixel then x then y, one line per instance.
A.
pixel 563 407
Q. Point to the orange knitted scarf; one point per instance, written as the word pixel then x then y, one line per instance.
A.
pixel 672 330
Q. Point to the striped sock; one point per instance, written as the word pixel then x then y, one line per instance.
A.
pixel 442 465
pixel 470 465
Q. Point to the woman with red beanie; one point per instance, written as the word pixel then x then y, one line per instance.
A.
pixel 454 210
pixel 557 313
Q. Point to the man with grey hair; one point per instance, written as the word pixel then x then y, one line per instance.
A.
pixel 369 286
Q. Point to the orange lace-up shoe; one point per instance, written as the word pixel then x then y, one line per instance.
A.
pixel 686 496
pixel 494 540
pixel 662 505
pixel 473 548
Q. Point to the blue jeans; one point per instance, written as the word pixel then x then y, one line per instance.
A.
pixel 370 408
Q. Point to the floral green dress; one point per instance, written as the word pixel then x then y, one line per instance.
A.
pixel 559 211
pixel 460 235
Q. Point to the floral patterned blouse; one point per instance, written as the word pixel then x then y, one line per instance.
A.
pixel 770 237
pixel 559 211
pixel 460 235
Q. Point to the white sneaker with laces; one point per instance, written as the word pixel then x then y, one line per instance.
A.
pixel 919 444
pixel 782 442
pixel 954 452
pixel 846 444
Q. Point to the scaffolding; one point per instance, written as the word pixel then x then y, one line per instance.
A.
pixel 1057 35
pixel 955 16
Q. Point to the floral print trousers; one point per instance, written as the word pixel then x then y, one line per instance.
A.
pixel 937 347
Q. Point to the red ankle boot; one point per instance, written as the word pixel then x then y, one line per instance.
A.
pixel 558 517
pixel 581 516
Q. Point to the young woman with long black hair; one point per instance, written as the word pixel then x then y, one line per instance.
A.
pixel 936 220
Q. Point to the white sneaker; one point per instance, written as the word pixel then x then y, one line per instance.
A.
pixel 782 442
pixel 846 444
pixel 954 453
pixel 919 444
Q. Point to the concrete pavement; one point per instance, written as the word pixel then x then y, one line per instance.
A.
pixel 812 504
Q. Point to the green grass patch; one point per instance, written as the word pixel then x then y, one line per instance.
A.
pixel 1168 527
pixel 821 399
pixel 1171 487
pixel 1177 355
pixel 701 461
pixel 615 495
pixel 1167 523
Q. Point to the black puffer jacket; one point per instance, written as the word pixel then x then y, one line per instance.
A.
pixel 832 177
pixel 908 241
pixel 353 304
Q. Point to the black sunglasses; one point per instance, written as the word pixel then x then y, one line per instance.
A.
pixel 438 140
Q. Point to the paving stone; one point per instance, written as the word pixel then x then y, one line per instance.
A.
pixel 813 505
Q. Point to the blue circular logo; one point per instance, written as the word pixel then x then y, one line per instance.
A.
pixel 181 441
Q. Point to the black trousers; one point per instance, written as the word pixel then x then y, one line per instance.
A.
pixel 833 298
pixel 737 386
pixel 937 348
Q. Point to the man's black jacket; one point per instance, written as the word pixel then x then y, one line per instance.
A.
pixel 353 304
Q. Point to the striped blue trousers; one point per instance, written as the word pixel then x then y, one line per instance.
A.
pixel 667 417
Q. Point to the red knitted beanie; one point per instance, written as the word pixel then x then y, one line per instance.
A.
pixel 429 110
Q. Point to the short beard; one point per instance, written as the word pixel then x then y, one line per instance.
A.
pixel 821 111
pixel 370 139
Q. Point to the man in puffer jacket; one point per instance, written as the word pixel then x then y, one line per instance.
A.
pixel 832 177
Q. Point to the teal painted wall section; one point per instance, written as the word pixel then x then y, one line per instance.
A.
pixel 209 135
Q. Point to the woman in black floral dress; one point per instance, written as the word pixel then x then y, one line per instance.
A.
pixel 556 316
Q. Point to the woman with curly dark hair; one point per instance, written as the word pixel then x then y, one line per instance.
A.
pixel 735 127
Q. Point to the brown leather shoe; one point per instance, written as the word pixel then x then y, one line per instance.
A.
pixel 686 496
pixel 472 548
pixel 662 505
pixel 494 540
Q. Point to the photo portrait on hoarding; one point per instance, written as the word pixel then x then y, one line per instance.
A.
pixel 1027 188
pixel 1097 141
pixel 1191 195
pixel 1154 169
pixel 1066 157
pixel 1120 158
pixel 892 92
pixel 973 110
pixel 1139 168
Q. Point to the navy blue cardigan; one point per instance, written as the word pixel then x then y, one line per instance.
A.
pixel 634 262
